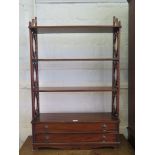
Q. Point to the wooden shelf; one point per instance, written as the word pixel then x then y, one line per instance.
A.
pixel 75 29
pixel 69 117
pixel 79 59
pixel 73 89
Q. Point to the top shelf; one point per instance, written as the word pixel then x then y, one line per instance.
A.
pixel 74 29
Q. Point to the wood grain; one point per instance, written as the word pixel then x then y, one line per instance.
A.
pixel 78 59
pixel 73 89
pixel 75 127
pixel 124 149
pixel 74 138
pixel 69 117
pixel 74 29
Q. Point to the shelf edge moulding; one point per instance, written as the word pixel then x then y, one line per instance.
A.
pixel 80 1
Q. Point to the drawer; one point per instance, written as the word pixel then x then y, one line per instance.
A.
pixel 73 138
pixel 75 127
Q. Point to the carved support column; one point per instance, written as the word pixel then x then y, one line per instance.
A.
pixel 116 68
pixel 34 68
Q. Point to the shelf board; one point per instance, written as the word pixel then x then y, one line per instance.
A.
pixel 75 29
pixel 73 89
pixel 79 59
pixel 69 117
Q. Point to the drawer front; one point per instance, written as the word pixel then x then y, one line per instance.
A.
pixel 71 138
pixel 75 127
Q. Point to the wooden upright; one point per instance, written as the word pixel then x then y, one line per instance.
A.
pixel 75 130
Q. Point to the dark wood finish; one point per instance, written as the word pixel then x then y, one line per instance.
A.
pixel 116 69
pixel 78 130
pixel 74 138
pixel 124 149
pixel 69 117
pixel 34 69
pixel 65 128
pixel 78 59
pixel 73 127
pixel 131 74
pixel 75 29
pixel 72 89
pixel 79 145
pixel 67 27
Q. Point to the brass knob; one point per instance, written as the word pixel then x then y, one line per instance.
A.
pixel 104 130
pixel 46 126
pixel 104 136
pixel 104 125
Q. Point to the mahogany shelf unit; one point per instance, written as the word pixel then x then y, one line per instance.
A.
pixel 75 130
